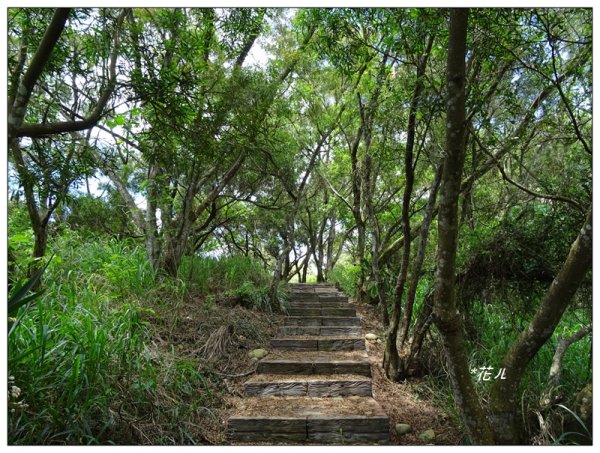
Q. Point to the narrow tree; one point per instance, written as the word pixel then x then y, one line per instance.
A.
pixel 447 317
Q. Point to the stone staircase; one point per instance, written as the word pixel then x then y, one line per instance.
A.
pixel 315 385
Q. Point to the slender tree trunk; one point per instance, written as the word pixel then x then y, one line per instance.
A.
pixel 357 213
pixel 391 357
pixel 419 259
pixel 305 268
pixel 151 227
pixel 549 398
pixel 447 317
pixel 330 246
pixel 504 397
pixel 369 177
pixel 411 365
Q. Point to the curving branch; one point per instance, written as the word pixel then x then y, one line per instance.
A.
pixel 41 130
pixel 16 111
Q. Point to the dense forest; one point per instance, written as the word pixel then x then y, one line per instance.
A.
pixel 172 170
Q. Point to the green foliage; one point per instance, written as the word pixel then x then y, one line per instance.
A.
pixel 81 359
pixel 213 275
pixel 91 215
pixel 237 275
pixel 498 327
pixel 260 298
pixel 18 299
pixel 346 276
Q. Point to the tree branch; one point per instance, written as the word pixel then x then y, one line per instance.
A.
pixel 40 130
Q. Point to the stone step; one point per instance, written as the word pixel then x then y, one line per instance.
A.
pixel 333 298
pixel 342 362
pixel 304 297
pixel 322 312
pixel 308 385
pixel 309 420
pixel 321 321
pixel 312 343
pixel 318 304
pixel 325 331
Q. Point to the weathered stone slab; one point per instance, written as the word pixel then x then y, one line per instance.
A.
pixel 338 312
pixel 339 388
pixel 348 423
pixel 326 289
pixel 305 311
pixel 333 298
pixel 341 344
pixel 317 304
pixel 276 388
pixel 321 388
pixel 348 429
pixel 303 321
pixel 293 344
pixel 266 429
pixel 343 367
pixel 300 330
pixel 347 437
pixel 340 330
pixel 333 304
pixel 285 367
pixel 340 321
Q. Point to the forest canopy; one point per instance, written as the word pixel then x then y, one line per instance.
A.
pixel 434 164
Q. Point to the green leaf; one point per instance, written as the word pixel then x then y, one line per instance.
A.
pixel 18 299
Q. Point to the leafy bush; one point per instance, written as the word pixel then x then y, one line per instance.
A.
pixel 206 275
pixel 346 276
pixel 81 364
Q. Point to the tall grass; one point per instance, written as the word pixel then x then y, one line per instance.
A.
pixel 79 360
pixel 232 276
pixel 346 276
pixel 211 275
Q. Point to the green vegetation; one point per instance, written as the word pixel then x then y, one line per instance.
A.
pixel 172 169
pixel 83 366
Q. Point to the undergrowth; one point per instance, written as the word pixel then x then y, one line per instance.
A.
pixel 108 354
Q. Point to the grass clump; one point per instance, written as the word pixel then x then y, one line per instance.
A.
pixel 109 354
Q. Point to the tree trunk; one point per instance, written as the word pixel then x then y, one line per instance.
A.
pixel 419 259
pixel 411 363
pixel 391 355
pixel 330 246
pixel 447 317
pixel 549 398
pixel 504 396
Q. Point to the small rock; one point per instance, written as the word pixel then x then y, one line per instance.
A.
pixel 403 428
pixel 354 397
pixel 378 340
pixel 371 336
pixel 427 436
pixel 258 354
